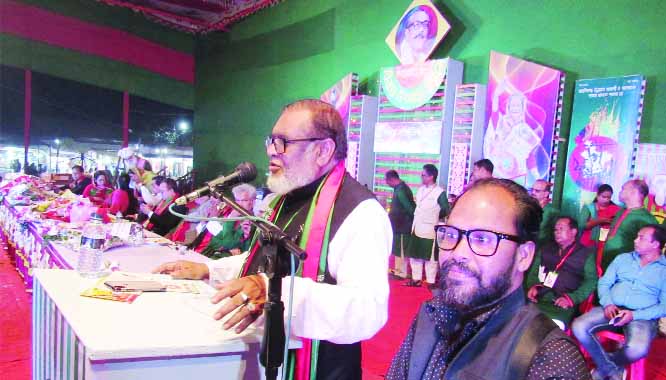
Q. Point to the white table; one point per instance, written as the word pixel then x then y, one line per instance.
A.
pixel 142 258
pixel 158 336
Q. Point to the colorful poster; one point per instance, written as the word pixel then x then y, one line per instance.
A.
pixel 409 87
pixel 458 170
pixel 351 163
pixel 408 137
pixel 339 96
pixel 651 167
pixel 605 122
pixel 417 33
pixel 521 109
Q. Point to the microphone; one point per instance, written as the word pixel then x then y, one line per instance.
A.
pixel 245 172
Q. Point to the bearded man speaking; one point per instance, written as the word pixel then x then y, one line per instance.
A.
pixel 341 297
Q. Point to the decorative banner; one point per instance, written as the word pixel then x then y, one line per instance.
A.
pixel 521 108
pixel 417 33
pixel 339 96
pixel 651 167
pixel 351 163
pixel 409 87
pixel 458 168
pixel 408 137
pixel 605 122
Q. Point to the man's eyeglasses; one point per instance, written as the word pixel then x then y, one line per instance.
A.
pixel 280 143
pixel 481 242
pixel 418 24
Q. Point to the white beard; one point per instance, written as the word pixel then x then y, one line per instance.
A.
pixel 292 178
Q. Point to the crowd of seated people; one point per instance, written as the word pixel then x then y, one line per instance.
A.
pixel 604 271
pixel 149 203
pixel 129 198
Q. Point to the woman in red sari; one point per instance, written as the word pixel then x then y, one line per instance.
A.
pixel 122 199
pixel 595 218
pixel 99 191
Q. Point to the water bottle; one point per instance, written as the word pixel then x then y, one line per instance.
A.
pixel 90 253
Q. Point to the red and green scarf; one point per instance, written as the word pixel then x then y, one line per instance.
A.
pixel 302 363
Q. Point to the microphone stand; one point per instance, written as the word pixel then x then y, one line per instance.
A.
pixel 277 247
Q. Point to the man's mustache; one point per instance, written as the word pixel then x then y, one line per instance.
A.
pixel 460 266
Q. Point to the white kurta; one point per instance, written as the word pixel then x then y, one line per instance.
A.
pixel 357 307
pixel 426 214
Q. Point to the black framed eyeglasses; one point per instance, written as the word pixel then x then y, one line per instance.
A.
pixel 481 242
pixel 280 143
pixel 425 24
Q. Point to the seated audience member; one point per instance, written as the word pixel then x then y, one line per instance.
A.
pixel 596 217
pixel 626 224
pixel 632 294
pixel 161 220
pixel 99 191
pixel 541 192
pixel 186 232
pixel 153 196
pixel 79 181
pixel 562 275
pixel 482 169
pixel 122 199
pixel 478 325
pixel 217 240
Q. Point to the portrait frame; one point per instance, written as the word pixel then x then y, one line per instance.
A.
pixel 417 33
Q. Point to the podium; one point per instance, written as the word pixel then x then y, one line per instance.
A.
pixel 162 335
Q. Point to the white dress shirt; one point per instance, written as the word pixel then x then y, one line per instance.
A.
pixel 357 307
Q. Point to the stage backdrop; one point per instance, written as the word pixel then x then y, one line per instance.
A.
pixel 414 121
pixel 339 95
pixel 522 108
pixel 605 123
pixel 651 167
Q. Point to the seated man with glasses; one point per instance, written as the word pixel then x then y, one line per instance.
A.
pixel 563 274
pixel 478 325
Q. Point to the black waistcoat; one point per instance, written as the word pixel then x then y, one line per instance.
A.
pixel 335 361
pixel 487 355
pixel 571 273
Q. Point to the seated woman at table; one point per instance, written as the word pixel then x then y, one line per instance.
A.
pixel 122 199
pixel 99 191
pixel 597 216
